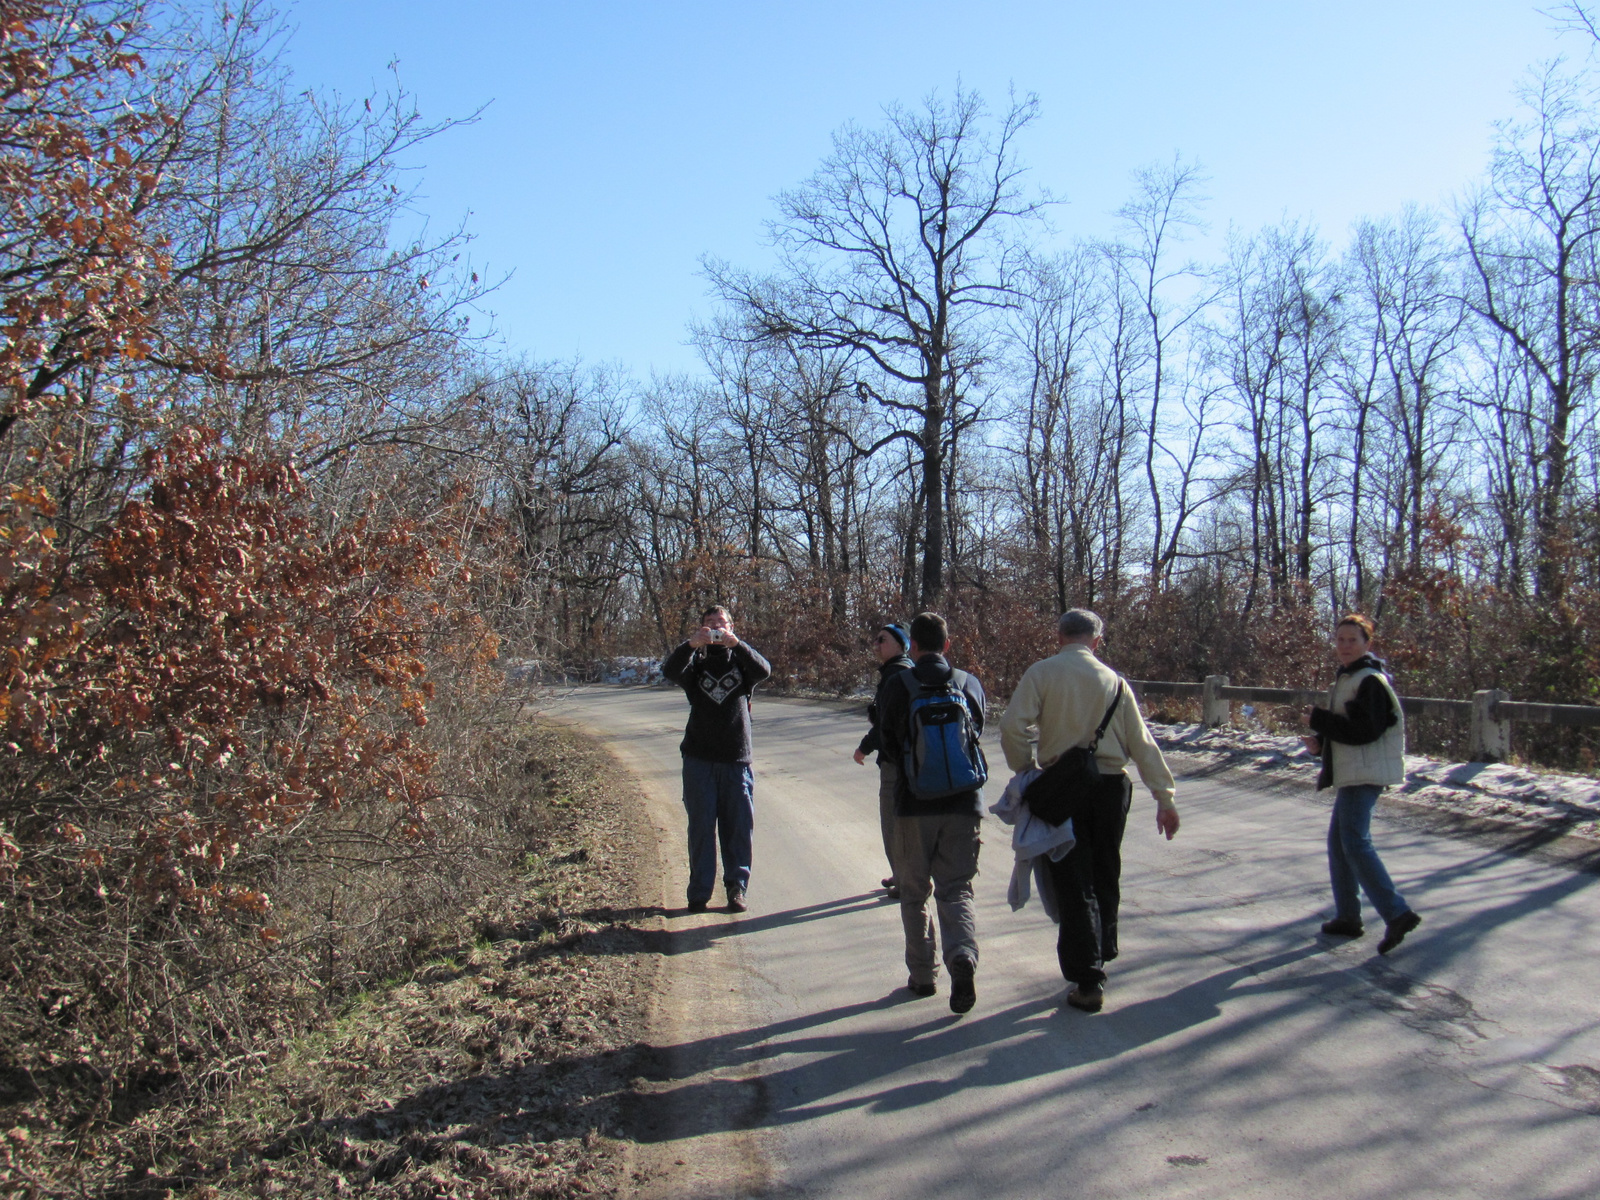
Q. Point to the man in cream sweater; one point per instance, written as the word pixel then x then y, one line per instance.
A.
pixel 1059 704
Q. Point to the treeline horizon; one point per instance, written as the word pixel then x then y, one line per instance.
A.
pixel 919 407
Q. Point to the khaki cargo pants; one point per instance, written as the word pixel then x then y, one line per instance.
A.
pixel 937 856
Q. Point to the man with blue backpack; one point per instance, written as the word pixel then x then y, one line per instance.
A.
pixel 934 719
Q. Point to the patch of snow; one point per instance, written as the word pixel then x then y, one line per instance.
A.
pixel 631 670
pixel 1505 792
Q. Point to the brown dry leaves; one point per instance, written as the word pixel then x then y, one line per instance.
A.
pixel 493 1073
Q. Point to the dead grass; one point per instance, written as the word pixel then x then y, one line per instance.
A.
pixel 495 1070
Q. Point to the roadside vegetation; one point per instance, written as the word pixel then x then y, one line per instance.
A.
pixel 492 1060
pixel 256 757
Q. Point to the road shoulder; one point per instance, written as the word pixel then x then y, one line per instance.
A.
pixel 697 1010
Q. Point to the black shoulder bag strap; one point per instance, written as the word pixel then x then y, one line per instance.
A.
pixel 1106 720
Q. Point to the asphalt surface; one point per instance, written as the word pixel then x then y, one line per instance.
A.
pixel 1240 1054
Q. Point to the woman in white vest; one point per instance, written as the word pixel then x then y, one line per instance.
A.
pixel 1361 736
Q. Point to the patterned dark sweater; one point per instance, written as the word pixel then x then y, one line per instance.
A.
pixel 718 682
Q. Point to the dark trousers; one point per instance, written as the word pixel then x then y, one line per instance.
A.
pixel 1088 883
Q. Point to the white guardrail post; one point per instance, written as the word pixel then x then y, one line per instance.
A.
pixel 1214 710
pixel 1489 740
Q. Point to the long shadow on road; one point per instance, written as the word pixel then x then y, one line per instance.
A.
pixel 686 939
pixel 889 1069
pixel 1214 1040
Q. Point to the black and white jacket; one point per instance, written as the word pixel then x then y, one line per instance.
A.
pixel 1362 728
pixel 718 682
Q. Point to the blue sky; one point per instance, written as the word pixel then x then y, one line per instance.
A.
pixel 622 142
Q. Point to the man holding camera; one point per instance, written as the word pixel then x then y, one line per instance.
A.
pixel 718 672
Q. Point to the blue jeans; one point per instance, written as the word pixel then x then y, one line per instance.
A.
pixel 1352 859
pixel 720 801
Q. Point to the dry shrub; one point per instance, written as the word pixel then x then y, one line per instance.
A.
pixel 76 265
pixel 251 741
pixel 220 794
pixel 996 634
pixel 1447 638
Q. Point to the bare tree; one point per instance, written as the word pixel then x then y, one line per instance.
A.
pixel 896 249
pixel 296 316
pixel 555 435
pixel 1069 436
pixel 1504 394
pixel 1164 210
pixel 1400 296
pixel 1531 237
pixel 1279 348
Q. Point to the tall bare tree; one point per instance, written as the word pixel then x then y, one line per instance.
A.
pixel 1280 340
pixel 1169 294
pixel 897 249
pixel 1400 294
pixel 1533 240
pixel 1069 436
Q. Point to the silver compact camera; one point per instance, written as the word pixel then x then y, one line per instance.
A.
pixel 716 636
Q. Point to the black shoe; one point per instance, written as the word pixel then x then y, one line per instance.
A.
pixel 736 900
pixel 699 905
pixel 1343 927
pixel 920 989
pixel 891 892
pixel 963 993
pixel 1395 931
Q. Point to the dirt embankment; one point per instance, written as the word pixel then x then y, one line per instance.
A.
pixel 496 1070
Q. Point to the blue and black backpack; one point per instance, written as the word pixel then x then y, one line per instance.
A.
pixel 941 757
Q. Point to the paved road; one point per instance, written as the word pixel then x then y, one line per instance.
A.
pixel 1238 1056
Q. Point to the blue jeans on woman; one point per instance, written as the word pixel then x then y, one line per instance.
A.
pixel 1352 859
pixel 720 801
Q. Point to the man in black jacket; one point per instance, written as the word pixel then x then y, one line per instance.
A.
pixel 890 646
pixel 935 841
pixel 718 672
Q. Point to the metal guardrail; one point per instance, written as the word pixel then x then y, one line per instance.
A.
pixel 1548 714
pixel 1491 712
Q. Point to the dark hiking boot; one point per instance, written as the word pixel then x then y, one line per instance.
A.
pixel 1343 927
pixel 699 905
pixel 1086 999
pixel 1395 931
pixel 736 900
pixel 920 989
pixel 963 992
